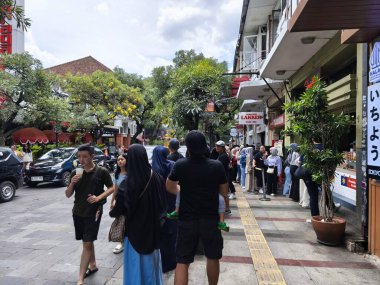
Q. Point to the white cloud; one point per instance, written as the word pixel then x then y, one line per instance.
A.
pixel 46 57
pixel 135 35
pixel 102 8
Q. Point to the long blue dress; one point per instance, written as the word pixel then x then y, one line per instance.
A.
pixel 142 269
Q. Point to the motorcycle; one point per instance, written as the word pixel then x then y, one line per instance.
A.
pixel 109 163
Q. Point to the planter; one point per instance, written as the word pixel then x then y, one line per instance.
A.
pixel 329 233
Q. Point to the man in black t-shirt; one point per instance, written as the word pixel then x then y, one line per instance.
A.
pixel 225 160
pixel 201 180
pixel 259 167
pixel 87 211
pixel 173 149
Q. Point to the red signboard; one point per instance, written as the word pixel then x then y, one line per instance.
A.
pixel 6 35
pixel 277 122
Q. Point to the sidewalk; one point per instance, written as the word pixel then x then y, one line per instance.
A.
pixel 292 245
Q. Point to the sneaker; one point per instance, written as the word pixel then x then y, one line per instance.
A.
pixel 308 221
pixel 223 227
pixel 232 196
pixel 243 187
pixel 337 207
pixel 272 194
pixel 119 248
pixel 261 191
pixel 228 212
pixel 172 216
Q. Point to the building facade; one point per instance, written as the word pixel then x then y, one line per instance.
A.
pixel 283 43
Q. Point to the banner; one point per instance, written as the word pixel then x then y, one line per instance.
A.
pixel 373 131
pixel 251 118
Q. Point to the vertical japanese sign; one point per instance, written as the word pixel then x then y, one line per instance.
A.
pixel 6 35
pixel 373 131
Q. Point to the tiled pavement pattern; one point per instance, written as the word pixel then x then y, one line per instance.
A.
pixel 37 246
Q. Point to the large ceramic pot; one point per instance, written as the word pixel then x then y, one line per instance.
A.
pixel 329 233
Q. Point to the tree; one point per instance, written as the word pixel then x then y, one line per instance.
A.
pixel 130 79
pixel 9 9
pixel 184 57
pixel 310 119
pixel 98 98
pixel 25 89
pixel 194 85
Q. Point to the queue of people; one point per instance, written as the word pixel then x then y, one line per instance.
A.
pixel 174 203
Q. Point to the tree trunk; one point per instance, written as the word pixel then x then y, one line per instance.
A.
pixel 2 137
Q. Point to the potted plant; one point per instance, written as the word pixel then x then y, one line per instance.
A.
pixel 320 132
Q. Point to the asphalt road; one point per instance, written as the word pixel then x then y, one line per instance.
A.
pixel 37 242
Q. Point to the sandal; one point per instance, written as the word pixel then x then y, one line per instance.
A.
pixel 90 272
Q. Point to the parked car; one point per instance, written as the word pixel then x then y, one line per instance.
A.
pixel 55 166
pixel 10 174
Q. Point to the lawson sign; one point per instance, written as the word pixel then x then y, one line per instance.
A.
pixel 251 118
pixel 374 64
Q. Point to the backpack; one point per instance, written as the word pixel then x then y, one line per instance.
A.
pixel 243 159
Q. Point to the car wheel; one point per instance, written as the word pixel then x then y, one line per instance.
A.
pixel 31 184
pixel 66 178
pixel 7 191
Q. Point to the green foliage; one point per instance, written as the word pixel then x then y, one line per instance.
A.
pixel 98 98
pixel 9 10
pixel 194 85
pixel 26 92
pixel 310 119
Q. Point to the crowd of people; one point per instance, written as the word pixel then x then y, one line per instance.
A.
pixel 175 203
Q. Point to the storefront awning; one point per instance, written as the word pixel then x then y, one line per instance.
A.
pixel 62 137
pixel 317 15
pixel 252 106
pixel 29 135
pixel 257 89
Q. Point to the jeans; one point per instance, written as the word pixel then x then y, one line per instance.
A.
pixel 242 176
pixel 312 188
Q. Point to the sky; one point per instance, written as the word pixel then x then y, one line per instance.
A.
pixel 136 35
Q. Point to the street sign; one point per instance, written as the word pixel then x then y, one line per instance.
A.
pixel 251 118
pixel 233 132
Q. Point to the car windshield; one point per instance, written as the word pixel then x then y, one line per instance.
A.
pixel 61 153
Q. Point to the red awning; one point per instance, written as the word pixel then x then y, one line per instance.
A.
pixel 29 135
pixel 236 83
pixel 62 137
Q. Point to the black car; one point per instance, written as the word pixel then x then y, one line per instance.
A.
pixel 55 166
pixel 10 174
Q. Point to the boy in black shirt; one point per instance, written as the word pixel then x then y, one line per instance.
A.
pixel 87 210
pixel 201 180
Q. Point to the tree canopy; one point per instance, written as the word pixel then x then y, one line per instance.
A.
pixel 10 10
pixel 98 98
pixel 25 93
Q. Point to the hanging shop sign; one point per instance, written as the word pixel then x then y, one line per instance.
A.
pixel 233 132
pixel 374 64
pixel 277 122
pixel 6 34
pixel 373 131
pixel 251 118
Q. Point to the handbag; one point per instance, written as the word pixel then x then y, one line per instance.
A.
pixel 117 230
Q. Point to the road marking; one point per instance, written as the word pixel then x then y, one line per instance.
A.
pixel 267 270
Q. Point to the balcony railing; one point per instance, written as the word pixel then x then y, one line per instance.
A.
pixel 250 61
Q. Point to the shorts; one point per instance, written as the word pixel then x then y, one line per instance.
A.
pixel 190 232
pixel 86 229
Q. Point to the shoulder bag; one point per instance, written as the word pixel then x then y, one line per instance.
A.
pixel 117 230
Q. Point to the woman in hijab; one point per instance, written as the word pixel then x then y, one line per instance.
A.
pixel 292 160
pixel 144 205
pixel 163 166
pixel 274 171
pixel 249 177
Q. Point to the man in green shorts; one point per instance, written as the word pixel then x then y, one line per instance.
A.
pixel 89 198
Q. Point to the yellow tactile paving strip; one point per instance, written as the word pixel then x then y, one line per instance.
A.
pixel 265 265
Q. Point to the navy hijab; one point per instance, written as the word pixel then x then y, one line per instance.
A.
pixel 160 163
